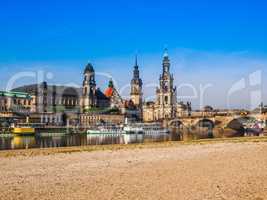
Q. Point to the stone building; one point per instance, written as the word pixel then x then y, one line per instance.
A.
pixel 91 95
pixel 165 105
pixel 17 102
pixel 53 104
pixel 134 105
pixel 136 87
pixel 92 119
pixel 149 111
pixel 115 100
pixel 54 98
pixel 182 109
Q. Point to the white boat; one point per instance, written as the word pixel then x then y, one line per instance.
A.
pixel 115 130
pixel 153 128
pixel 133 134
pixel 106 131
pixel 133 130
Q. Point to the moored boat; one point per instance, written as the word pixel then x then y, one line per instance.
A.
pixel 106 129
pixel 153 128
pixel 23 129
pixel 116 130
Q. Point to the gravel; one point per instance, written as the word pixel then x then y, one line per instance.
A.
pixel 229 171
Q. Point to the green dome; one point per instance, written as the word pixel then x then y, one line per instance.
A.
pixel 110 84
pixel 89 68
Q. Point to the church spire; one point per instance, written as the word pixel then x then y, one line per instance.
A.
pixel 136 86
pixel 166 61
pixel 136 63
pixel 136 70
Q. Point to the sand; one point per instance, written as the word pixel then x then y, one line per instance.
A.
pixel 229 171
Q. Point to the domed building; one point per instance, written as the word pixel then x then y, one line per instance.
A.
pixel 54 98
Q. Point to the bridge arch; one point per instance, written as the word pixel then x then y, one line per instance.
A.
pixel 208 123
pixel 176 123
pixel 204 128
pixel 178 129
pixel 237 125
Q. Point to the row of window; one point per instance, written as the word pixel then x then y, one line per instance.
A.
pixel 63 101
pixel 3 108
pixel 22 102
pixel 56 119
pixel 89 118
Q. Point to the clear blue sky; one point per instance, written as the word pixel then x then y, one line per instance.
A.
pixel 55 30
pixel 217 42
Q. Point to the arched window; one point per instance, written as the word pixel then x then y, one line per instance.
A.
pixel 85 90
pixel 166 99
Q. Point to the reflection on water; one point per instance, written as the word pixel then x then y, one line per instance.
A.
pixel 24 142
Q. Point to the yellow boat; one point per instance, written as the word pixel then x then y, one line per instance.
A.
pixel 24 130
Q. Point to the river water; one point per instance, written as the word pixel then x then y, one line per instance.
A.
pixel 64 140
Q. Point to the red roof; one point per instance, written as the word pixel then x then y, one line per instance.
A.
pixel 109 92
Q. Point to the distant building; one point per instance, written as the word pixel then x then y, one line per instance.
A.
pixel 61 105
pixel 135 105
pixel 182 109
pixel 91 96
pixel 52 98
pixel 136 87
pixel 149 111
pixel 68 99
pixel 54 105
pixel 18 102
pixel 115 100
pixel 165 105
pixel 92 119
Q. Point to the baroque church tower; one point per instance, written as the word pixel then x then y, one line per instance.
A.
pixel 136 86
pixel 89 97
pixel 166 93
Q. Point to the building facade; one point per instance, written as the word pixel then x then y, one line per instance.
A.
pixel 52 104
pixel 53 98
pixel 17 102
pixel 165 105
pixel 136 87
pixel 92 119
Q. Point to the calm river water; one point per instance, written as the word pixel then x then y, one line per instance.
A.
pixel 64 140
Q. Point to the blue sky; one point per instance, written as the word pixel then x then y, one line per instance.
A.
pixel 217 42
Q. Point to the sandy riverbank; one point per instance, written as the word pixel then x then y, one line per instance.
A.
pixel 207 171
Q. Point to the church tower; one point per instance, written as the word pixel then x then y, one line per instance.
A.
pixel 136 86
pixel 89 97
pixel 166 93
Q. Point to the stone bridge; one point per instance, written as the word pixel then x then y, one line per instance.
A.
pixel 214 120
